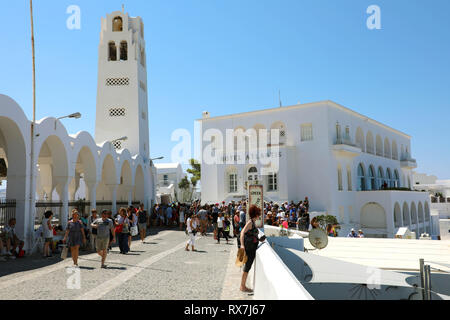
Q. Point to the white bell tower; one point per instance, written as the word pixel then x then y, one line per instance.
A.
pixel 122 99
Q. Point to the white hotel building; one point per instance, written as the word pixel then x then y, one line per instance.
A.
pixel 331 154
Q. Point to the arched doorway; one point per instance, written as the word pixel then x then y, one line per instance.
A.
pixel 107 187
pixel 51 181
pixel 427 218
pixel 13 170
pixel 139 185
pixel 406 216
pixel 83 182
pixel 421 217
pixel 126 183
pixel 373 220
pixel 397 216
pixel 414 217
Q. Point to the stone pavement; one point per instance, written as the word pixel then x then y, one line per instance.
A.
pixel 159 269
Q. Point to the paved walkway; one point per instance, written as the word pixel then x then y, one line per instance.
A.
pixel 159 269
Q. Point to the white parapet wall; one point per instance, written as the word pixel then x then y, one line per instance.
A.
pixel 271 231
pixel 273 279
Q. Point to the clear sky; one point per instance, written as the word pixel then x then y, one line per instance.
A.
pixel 229 56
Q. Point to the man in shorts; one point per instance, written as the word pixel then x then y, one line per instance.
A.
pixel 142 221
pixel 104 226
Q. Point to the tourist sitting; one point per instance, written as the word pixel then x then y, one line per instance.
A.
pixel 352 234
pixel 360 234
pixel 12 241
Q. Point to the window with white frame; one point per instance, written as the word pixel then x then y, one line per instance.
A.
pixel 233 182
pixel 340 188
pixel 306 132
pixel 272 182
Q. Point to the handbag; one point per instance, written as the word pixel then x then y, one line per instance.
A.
pixel 64 252
pixel 241 257
pixel 118 228
pixel 134 231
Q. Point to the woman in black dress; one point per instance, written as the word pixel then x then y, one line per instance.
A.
pixel 75 236
pixel 249 242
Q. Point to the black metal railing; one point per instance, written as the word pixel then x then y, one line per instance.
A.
pixel 7 211
pixel 82 206
pixel 104 205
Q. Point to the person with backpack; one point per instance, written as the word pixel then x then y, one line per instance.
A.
pixel 142 220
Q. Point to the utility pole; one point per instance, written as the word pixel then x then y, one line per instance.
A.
pixel 31 215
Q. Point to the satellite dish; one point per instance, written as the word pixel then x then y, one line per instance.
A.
pixel 318 238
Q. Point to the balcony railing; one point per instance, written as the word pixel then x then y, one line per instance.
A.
pixel 344 140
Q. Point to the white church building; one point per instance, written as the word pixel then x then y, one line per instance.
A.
pixel 114 165
pixel 349 165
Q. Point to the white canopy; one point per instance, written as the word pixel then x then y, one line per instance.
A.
pixel 329 270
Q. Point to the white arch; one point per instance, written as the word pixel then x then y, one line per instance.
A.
pixel 387 149
pixel 15 147
pixel 139 188
pixel 370 143
pixel 421 217
pixel 359 139
pixel 373 216
pixel 394 150
pixel 397 215
pixel 413 215
pixel 379 145
pixel 406 215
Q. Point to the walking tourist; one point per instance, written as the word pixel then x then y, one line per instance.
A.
pixel 192 226
pixel 75 236
pixel 103 226
pixel 181 217
pixel 143 220
pixel 220 228
pixel 123 230
pixel 93 234
pixel 132 222
pixel 249 242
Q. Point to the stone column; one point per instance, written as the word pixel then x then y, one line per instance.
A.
pixel 92 193
pixel 62 188
pixel 113 190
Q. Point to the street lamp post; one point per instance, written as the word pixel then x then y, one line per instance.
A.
pixel 76 115
pixel 30 211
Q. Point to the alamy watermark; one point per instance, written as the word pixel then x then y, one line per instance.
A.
pixel 74 280
pixel 73 22
pixel 374 20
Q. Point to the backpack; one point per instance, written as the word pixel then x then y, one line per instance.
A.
pixel 142 218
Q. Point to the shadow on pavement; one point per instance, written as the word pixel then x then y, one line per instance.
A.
pixel 36 261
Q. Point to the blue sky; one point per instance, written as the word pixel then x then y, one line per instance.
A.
pixel 233 56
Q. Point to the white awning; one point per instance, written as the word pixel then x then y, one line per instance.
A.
pixel 329 270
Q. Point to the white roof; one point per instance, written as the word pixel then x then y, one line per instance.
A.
pixel 390 254
pixel 167 165
pixel 329 270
